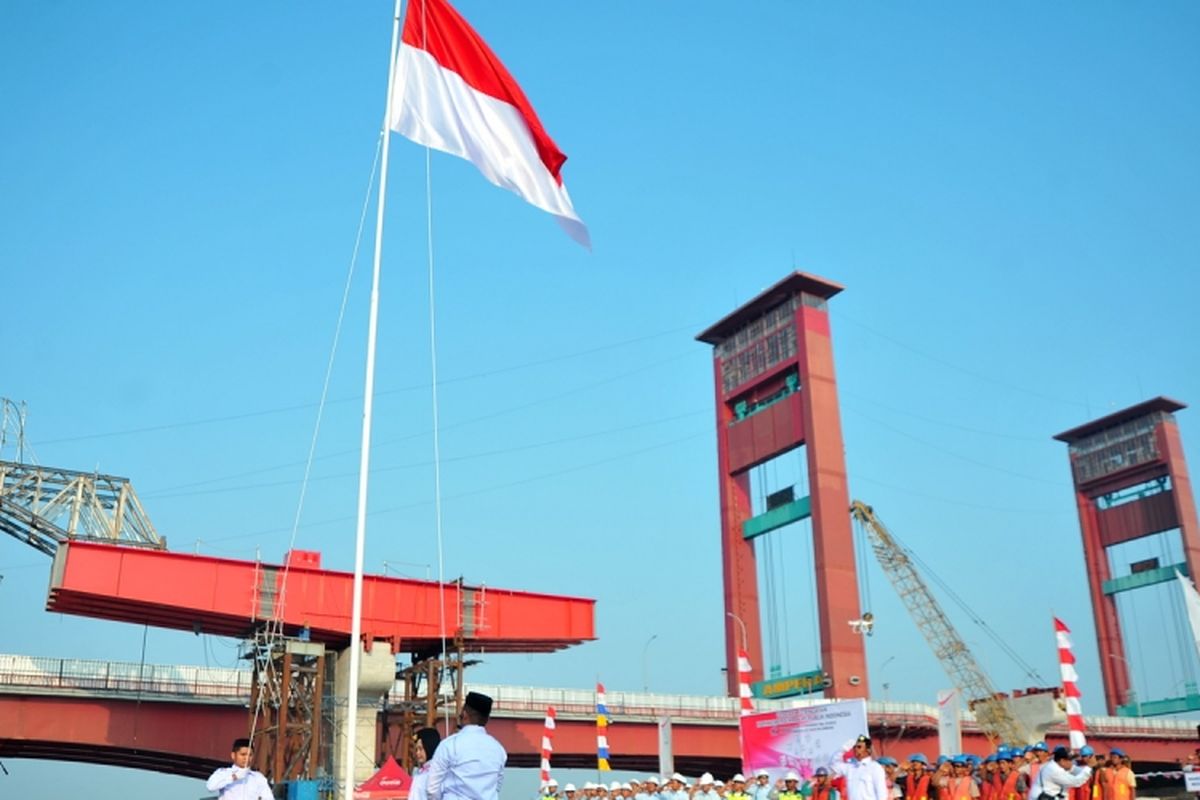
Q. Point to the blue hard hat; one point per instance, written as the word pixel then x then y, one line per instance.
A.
pixel 1041 746
pixel 990 759
pixel 888 761
pixel 1029 748
pixel 958 758
pixel 919 758
pixel 1087 750
pixel 942 759
pixel 1116 751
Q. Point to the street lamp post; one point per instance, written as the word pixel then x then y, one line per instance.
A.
pixel 645 663
pixel 738 620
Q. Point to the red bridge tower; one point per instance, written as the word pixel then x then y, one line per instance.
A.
pixel 1131 482
pixel 776 391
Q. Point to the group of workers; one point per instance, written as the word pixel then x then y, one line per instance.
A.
pixel 1034 772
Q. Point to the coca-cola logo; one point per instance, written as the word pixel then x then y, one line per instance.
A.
pixel 389 783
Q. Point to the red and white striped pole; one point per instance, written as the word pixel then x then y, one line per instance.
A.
pixel 744 683
pixel 547 745
pixel 1070 678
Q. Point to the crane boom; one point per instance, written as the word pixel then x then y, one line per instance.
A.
pixel 992 713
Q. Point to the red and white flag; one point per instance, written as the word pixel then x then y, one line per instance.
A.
pixel 451 93
pixel 1070 681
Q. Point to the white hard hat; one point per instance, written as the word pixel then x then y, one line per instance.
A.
pixel 791 776
pixel 675 776
pixel 739 778
pixel 761 773
pixel 614 786
pixel 652 779
pixel 705 780
pixel 552 782
pixel 589 785
pixel 570 787
pixel 626 786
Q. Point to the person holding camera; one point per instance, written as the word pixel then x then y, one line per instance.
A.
pixel 1057 776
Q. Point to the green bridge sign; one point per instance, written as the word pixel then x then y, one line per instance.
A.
pixel 791 685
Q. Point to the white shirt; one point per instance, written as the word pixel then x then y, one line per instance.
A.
pixel 466 766
pixel 1054 780
pixel 239 783
pixel 865 780
pixel 420 781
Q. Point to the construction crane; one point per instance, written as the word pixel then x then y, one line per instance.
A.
pixel 991 709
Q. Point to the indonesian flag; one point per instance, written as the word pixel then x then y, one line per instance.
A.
pixel 451 93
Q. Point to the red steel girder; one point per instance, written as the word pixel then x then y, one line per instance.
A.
pixel 229 597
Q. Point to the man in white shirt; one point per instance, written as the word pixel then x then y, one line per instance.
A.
pixel 762 785
pixel 865 779
pixel 674 789
pixel 238 781
pixel 470 764
pixel 1058 775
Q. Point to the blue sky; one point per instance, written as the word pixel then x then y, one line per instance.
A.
pixel 1008 192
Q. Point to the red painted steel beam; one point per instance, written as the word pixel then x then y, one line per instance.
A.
pixel 190 739
pixel 228 597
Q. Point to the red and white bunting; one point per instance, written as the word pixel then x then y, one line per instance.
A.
pixel 744 683
pixel 1070 679
pixel 547 745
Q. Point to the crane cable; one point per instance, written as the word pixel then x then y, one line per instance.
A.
pixel 1028 668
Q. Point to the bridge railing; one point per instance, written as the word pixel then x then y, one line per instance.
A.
pixel 34 673
pixel 522 700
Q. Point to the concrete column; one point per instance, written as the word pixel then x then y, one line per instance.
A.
pixel 376 674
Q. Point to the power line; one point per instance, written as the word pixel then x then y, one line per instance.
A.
pixel 305 406
pixel 840 315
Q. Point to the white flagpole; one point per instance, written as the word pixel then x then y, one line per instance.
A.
pixel 365 456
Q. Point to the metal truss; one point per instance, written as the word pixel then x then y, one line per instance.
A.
pixel 290 737
pixel 45 507
pixel 432 690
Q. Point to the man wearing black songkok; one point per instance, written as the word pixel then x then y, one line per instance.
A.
pixel 470 764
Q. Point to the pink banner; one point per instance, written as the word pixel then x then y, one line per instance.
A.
pixel 801 739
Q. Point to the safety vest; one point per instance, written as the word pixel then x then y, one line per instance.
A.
pixel 790 796
pixel 1105 778
pixel 916 788
pixel 821 792
pixel 1034 766
pixel 1121 788
pixel 987 788
pixel 737 796
pixel 1006 787
pixel 960 788
pixel 1086 791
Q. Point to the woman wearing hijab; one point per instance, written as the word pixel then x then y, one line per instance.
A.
pixel 427 740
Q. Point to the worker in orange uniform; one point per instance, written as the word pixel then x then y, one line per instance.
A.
pixel 987 778
pixel 960 784
pixel 917 778
pixel 1091 789
pixel 819 787
pixel 1124 784
pixel 1008 782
